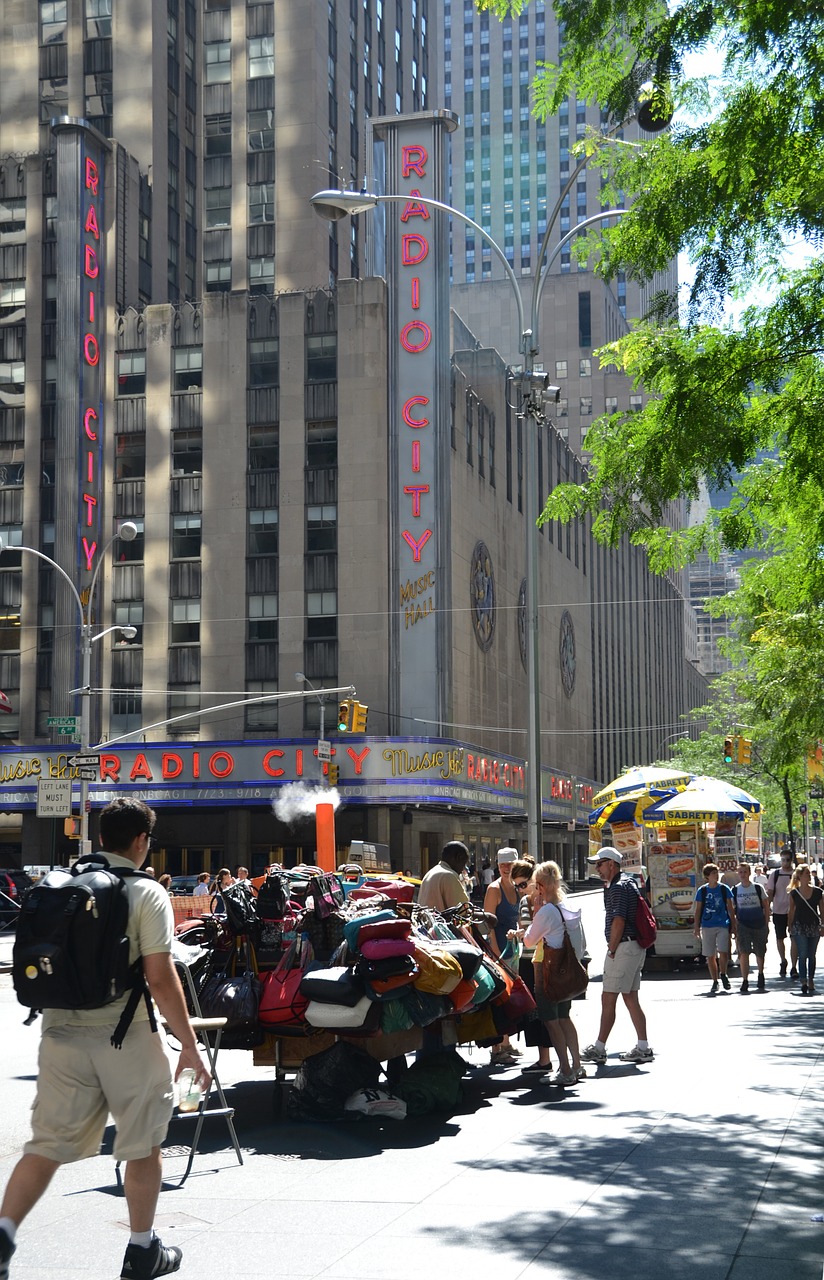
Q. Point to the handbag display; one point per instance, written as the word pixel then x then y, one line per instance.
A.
pixel 326 893
pixel 338 984
pixel 281 1002
pixel 235 997
pixel 440 971
pixel 564 975
pixel 394 927
pixel 381 948
pixel 351 930
pixel 332 1017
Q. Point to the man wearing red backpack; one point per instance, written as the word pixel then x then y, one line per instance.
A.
pixel 624 959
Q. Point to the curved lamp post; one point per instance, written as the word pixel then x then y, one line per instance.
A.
pixel 127 533
pixel 335 205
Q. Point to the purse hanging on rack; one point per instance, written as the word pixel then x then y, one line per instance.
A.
pixel 235 997
pixel 281 1002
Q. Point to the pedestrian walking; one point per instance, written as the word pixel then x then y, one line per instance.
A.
pixel 713 923
pixel 805 921
pixel 752 915
pixel 624 960
pixel 535 1032
pixel 778 889
pixel 82 1077
pixel 552 917
pixel 501 901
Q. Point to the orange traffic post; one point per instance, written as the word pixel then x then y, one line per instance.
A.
pixel 325 836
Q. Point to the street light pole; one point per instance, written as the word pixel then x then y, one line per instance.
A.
pixel 127 533
pixel 320 695
pixel 335 205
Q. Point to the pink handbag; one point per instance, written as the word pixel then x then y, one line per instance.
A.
pixel 380 948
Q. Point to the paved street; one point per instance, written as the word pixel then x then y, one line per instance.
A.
pixel 707 1164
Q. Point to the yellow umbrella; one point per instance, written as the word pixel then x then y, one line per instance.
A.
pixel 637 783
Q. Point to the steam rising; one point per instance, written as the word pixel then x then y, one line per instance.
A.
pixel 298 800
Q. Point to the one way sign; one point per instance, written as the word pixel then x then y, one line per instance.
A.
pixel 84 761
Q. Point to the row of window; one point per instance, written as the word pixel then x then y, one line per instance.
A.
pixel 187 365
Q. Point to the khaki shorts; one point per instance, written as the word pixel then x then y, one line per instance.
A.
pixel 82 1079
pixel 714 939
pixel 622 973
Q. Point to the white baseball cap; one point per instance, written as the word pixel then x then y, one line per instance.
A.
pixel 606 852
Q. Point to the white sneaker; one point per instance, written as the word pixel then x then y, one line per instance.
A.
pixel 562 1081
pixel 593 1054
pixel 636 1055
pixel 581 1073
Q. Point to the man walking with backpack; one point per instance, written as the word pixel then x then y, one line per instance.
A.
pixel 83 1076
pixel 624 960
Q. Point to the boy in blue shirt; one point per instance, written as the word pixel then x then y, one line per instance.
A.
pixel 714 920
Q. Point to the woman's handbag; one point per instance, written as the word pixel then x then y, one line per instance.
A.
pixel 326 892
pixel 333 1017
pixel 564 975
pixel 338 984
pixel 281 1002
pixel 235 997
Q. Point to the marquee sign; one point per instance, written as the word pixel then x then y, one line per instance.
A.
pixel 373 771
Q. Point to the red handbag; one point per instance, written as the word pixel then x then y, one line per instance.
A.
pixel 281 1002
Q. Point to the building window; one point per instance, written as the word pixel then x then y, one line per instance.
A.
pixel 218 207
pixel 584 319
pixel 261 57
pixel 321 528
pixel 126 712
pixel 132 552
pixel 321 444
pixel 261 275
pixel 186 531
pixel 262 715
pixel 185 623
pixel 52 21
pixel 263 617
pixel 560 368
pixel 98 19
pixel 188 369
pixel 585 367
pixel 217 132
pixel 321 615
pixel 262 202
pixel 218 277
pixel 261 130
pixel 636 403
pixel 131 374
pixel 187 452
pixel 611 404
pixel 217 59
pixel 263 362
pixel 264 447
pixel 322 358
pixel 562 409
pixel 129 613
pixel 586 406
pixel 263 532
pixel 130 456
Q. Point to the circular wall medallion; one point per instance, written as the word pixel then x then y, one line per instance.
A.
pixel 482 587
pixel 566 654
pixel 522 622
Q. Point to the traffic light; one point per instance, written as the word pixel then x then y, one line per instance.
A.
pixel 345 713
pixel 744 750
pixel 729 750
pixel 332 775
pixel 72 828
pixel 359 714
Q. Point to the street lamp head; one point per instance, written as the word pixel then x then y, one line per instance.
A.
pixel 128 531
pixel 334 205
pixel 128 633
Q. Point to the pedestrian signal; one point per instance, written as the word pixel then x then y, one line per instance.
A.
pixel 359 714
pixel 333 774
pixel 744 750
pixel 72 828
pixel 345 711
pixel 729 750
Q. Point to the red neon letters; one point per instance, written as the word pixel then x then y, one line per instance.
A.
pixel 91 280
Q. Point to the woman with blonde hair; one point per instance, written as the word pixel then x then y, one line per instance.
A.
pixel 552 916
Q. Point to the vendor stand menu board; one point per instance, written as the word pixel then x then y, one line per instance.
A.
pixel 726 845
pixel 673 880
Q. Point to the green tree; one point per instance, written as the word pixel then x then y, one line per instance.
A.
pixel 739 174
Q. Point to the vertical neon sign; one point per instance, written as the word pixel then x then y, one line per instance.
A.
pixel 418 274
pixel 89 356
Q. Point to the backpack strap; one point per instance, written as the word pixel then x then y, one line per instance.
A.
pixel 140 987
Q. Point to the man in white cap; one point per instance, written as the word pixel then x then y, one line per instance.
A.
pixel 624 959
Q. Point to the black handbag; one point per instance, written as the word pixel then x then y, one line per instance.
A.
pixel 326 893
pixel 234 997
pixel 336 985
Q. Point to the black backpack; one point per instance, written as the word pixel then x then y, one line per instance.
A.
pixel 273 896
pixel 71 950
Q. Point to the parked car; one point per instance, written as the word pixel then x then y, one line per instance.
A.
pixel 13 885
pixel 183 884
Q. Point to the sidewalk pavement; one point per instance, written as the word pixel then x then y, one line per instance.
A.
pixel 704 1165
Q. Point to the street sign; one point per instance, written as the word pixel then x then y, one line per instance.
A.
pixel 54 797
pixel 62 722
pixel 324 749
pixel 87 775
pixel 86 760
pixel 802 809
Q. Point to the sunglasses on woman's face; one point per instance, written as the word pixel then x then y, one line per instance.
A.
pixel 521 884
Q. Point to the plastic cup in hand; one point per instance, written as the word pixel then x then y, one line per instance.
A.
pixel 189 1091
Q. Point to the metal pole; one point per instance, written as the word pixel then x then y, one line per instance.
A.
pixel 85 720
pixel 534 797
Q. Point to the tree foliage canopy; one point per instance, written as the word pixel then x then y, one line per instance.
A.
pixel 738 175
